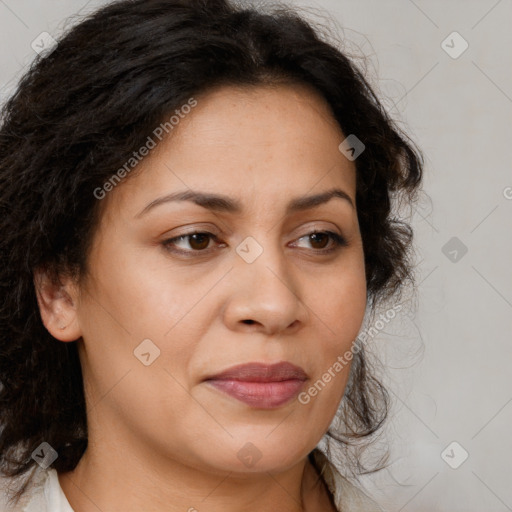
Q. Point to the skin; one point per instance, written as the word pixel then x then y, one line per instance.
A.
pixel 160 438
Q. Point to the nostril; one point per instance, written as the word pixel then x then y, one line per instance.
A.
pixel 248 322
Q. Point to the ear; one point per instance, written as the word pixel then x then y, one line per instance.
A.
pixel 58 305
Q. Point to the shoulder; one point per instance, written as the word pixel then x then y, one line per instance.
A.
pixel 347 497
pixel 33 491
pixel 43 493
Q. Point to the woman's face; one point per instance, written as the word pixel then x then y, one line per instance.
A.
pixel 159 319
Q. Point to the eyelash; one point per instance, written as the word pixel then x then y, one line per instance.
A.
pixel 337 239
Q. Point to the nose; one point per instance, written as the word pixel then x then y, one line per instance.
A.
pixel 264 296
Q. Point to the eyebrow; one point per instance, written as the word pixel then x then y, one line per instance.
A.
pixel 222 203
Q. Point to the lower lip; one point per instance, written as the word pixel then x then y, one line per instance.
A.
pixel 263 395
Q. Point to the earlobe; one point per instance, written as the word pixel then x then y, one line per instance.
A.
pixel 57 302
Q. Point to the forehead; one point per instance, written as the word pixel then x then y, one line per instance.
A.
pixel 261 141
pixel 267 115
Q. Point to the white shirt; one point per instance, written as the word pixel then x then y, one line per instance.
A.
pixel 46 495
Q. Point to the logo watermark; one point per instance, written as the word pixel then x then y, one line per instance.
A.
pixel 158 133
pixel 343 360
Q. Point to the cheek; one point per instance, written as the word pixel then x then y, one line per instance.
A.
pixel 137 301
pixel 340 309
pixel 341 305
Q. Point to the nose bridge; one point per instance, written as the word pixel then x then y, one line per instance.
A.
pixel 264 291
pixel 268 271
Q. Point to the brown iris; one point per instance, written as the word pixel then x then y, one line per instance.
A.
pixel 316 236
pixel 201 239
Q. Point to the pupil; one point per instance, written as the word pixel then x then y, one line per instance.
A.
pixel 199 236
pixel 315 237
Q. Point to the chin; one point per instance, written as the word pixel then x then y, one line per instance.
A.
pixel 260 454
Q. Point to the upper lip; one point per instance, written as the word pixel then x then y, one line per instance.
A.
pixel 261 372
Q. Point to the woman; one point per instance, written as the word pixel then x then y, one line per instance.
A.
pixel 197 212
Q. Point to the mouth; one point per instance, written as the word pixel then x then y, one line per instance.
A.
pixel 261 385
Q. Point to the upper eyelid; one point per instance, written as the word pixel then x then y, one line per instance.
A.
pixel 216 238
pixel 218 232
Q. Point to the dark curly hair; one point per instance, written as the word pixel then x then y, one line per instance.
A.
pixel 78 114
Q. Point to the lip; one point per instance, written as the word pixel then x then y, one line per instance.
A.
pixel 260 385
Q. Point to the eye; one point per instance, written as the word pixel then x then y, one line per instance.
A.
pixel 198 242
pixel 319 240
